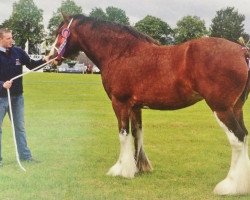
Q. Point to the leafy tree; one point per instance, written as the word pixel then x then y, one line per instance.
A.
pixel 6 24
pixel 189 27
pixel 112 14
pixel 117 15
pixel 156 28
pixel 98 13
pixel 67 7
pixel 228 23
pixel 26 24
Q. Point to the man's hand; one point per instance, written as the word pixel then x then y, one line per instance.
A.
pixel 46 58
pixel 7 84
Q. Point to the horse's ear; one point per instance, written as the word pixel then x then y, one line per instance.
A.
pixel 66 18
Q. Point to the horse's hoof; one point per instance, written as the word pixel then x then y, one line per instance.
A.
pixel 225 187
pixel 229 186
pixel 119 170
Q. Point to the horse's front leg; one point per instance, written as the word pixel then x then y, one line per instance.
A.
pixel 125 166
pixel 142 162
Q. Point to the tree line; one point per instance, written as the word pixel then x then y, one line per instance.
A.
pixel 26 21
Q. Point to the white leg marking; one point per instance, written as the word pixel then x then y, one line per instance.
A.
pixel 125 166
pixel 238 178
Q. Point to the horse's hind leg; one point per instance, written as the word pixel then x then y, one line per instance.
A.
pixel 142 162
pixel 239 112
pixel 238 178
pixel 125 166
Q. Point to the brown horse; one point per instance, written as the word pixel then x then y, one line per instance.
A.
pixel 137 73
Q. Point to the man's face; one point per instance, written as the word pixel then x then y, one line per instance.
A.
pixel 6 41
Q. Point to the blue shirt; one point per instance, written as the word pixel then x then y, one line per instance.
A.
pixel 11 65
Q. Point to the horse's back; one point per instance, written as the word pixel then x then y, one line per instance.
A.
pixel 209 68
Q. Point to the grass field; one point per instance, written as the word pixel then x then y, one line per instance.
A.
pixel 72 131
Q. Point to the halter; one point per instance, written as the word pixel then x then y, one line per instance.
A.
pixel 65 34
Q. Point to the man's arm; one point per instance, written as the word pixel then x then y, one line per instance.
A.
pixel 29 63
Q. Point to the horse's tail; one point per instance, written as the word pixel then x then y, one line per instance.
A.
pixel 246 50
pixel 247 87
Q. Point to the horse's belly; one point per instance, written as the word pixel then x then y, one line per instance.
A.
pixel 168 101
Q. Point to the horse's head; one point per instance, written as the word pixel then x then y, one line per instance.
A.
pixel 65 44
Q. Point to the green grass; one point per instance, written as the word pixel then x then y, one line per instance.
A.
pixel 72 130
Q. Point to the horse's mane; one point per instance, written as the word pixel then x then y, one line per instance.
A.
pixel 96 23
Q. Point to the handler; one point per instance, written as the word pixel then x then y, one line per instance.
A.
pixel 11 61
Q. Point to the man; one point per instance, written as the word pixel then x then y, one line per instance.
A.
pixel 11 61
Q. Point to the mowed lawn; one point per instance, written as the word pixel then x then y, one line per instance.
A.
pixel 72 131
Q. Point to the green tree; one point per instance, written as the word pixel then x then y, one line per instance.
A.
pixel 67 7
pixel 6 24
pixel 112 14
pixel 189 27
pixel 155 28
pixel 117 15
pixel 228 23
pixel 26 24
pixel 98 13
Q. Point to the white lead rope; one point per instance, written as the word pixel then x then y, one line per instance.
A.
pixel 14 132
pixel 10 109
pixel 39 67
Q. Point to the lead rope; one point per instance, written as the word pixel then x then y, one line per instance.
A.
pixel 60 53
pixel 14 132
pixel 10 109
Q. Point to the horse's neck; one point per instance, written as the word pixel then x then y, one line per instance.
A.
pixel 102 46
